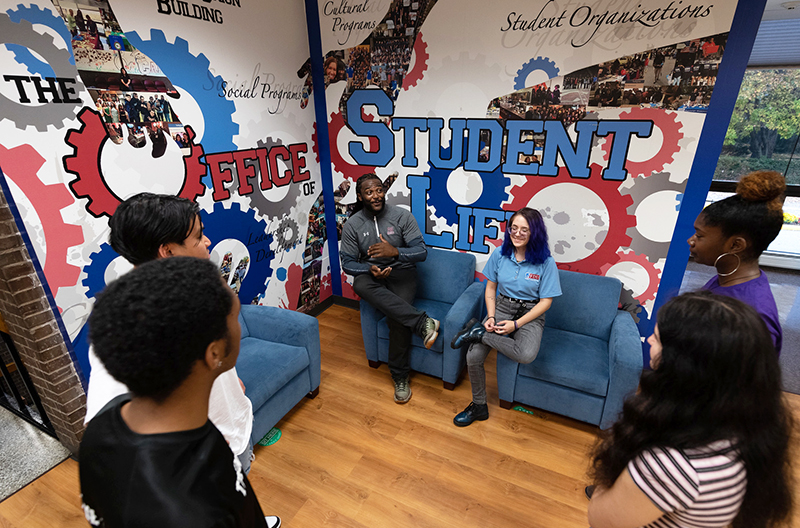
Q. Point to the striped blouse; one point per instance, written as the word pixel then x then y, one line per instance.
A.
pixel 695 488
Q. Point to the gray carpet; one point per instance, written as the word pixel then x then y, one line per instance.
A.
pixel 26 453
pixel 785 286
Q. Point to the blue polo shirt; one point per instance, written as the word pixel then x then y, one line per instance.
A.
pixel 523 280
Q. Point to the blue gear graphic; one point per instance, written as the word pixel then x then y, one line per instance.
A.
pixel 95 272
pixel 191 73
pixel 224 223
pixel 539 63
pixel 37 15
pixel 492 197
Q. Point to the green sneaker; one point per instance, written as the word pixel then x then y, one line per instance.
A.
pixel 402 390
pixel 430 331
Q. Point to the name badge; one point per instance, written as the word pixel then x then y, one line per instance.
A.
pixel 532 276
pixel 390 230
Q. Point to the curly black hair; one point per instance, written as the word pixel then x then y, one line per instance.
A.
pixel 144 222
pixel 151 325
pixel 718 378
pixel 755 211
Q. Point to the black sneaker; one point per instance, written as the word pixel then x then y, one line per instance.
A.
pixel 473 412
pixel 471 333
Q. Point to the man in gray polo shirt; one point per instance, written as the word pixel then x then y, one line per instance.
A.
pixel 380 246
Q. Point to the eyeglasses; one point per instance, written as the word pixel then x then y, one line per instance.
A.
pixel 521 230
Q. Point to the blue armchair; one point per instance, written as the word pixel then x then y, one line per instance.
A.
pixel 590 357
pixel 447 291
pixel 279 362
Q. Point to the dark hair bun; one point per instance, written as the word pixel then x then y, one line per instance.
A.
pixel 761 186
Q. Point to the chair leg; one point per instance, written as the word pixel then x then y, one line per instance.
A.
pixel 448 385
pixel 506 404
pixel 374 364
pixel 313 394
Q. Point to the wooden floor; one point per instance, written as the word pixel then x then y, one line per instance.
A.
pixel 354 458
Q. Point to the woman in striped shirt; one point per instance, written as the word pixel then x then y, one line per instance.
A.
pixel 704 443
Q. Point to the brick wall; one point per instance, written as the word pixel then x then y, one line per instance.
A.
pixel 33 328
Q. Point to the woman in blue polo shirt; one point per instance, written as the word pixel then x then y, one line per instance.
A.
pixel 522 281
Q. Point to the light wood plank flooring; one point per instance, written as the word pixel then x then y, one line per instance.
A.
pixel 354 458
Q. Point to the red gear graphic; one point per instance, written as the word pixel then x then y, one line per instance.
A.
pixel 314 144
pixel 21 165
pixel 616 204
pixel 653 274
pixel 349 170
pixel 420 63
pixel 84 163
pixel 667 122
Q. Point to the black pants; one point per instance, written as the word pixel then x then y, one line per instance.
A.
pixel 393 296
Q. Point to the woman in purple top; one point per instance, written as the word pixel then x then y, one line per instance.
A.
pixel 731 234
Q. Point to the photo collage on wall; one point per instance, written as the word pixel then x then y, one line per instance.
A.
pixel 383 59
pixel 129 90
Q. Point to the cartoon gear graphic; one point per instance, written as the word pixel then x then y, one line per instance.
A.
pixel 192 73
pixel 287 234
pixel 350 171
pixel 653 274
pixel 87 143
pixel 642 188
pixel 295 132
pixel 95 271
pixel 37 15
pixel 420 63
pixel 485 79
pixel 667 122
pixel 222 224
pixel 539 63
pixel 40 116
pixel 21 165
pixel 616 204
pixel 493 195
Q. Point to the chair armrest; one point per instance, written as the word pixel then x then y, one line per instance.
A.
pixel 624 365
pixel 466 306
pixel 288 327
pixel 369 328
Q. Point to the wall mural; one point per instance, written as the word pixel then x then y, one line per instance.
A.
pixel 587 111
pixel 102 100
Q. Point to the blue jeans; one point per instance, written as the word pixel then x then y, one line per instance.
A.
pixel 521 345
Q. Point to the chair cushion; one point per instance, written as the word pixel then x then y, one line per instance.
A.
pixel 444 275
pixel 265 367
pixel 571 360
pixel 588 305
pixel 435 309
pixel 245 330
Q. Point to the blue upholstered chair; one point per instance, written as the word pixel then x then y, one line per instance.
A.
pixel 279 362
pixel 447 291
pixel 590 357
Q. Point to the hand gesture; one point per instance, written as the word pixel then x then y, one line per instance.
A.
pixel 382 249
pixel 504 327
pixel 380 273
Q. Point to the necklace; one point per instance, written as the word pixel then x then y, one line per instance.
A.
pixel 740 280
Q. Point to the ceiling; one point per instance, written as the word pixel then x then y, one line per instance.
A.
pixel 778 39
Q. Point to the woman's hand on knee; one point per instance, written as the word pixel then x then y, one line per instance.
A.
pixel 504 327
pixel 489 324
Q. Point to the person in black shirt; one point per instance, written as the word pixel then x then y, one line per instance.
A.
pixel 167 330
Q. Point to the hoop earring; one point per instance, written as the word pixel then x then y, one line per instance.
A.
pixel 738 263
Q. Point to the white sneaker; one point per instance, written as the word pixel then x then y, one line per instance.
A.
pixel 273 521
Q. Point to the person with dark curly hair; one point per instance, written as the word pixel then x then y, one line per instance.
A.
pixel 148 227
pixel 732 233
pixel 167 330
pixel 522 280
pixel 705 441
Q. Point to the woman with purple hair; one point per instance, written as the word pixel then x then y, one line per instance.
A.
pixel 522 281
